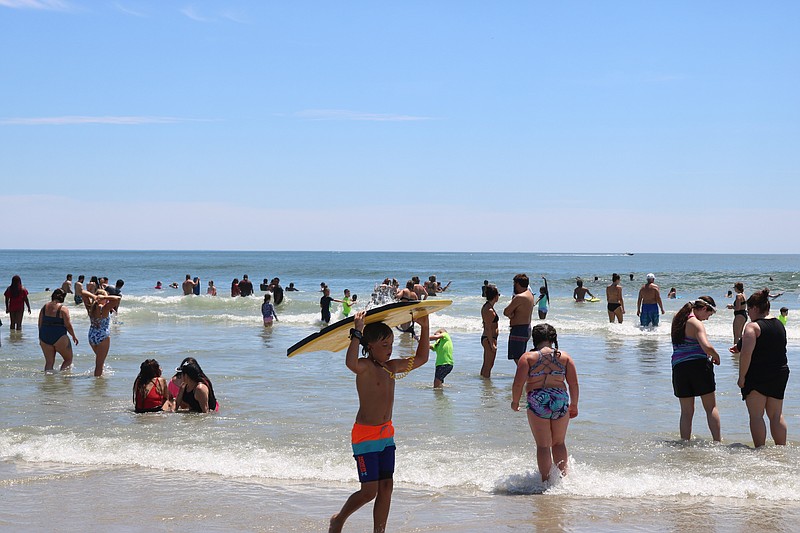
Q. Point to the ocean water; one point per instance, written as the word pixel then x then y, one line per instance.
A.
pixel 277 455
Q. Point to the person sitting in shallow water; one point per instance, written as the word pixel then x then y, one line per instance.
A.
pixel 197 392
pixel 150 390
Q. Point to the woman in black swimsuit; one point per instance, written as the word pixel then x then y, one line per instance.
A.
pixel 763 370
pixel 490 330
pixel 196 393
pixel 54 325
pixel 739 307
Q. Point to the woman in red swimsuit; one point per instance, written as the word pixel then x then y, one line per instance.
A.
pixel 16 299
pixel 150 391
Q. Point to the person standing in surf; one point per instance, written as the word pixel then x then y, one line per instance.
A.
pixel 543 302
pixel 519 313
pixel 739 307
pixel 693 360
pixel 547 373
pixel 491 330
pixel 580 292
pixel 763 370
pixel 649 302
pixel 373 433
pixel 615 305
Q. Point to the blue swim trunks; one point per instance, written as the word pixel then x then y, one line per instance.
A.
pixel 649 315
pixel 373 450
pixel 518 341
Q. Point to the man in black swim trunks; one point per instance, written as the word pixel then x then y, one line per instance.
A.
pixel 616 305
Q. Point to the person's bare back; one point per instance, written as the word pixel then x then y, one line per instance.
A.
pixel 650 294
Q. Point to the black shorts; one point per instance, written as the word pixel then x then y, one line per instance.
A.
pixel 442 371
pixel 773 386
pixel 693 378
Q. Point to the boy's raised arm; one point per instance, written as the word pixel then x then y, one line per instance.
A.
pixel 423 348
pixel 351 359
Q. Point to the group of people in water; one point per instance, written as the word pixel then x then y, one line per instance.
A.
pixel 550 378
pixel 546 375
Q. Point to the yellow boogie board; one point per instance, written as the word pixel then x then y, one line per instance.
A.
pixel 336 337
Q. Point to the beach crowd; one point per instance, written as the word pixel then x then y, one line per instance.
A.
pixel 546 377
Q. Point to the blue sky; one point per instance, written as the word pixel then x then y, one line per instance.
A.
pixel 466 126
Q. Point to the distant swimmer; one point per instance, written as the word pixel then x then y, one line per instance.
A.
pixel 79 289
pixel 543 302
pixel 245 286
pixel 419 289
pixel 784 315
pixel 16 296
pixel 325 305
pixel 158 286
pixel 649 302
pixel 580 292
pixel 291 287
pixel 268 311
pixel 264 285
pixel 483 288
pixel 67 285
pixel 615 305
pixel 672 294
pixel 347 303
pixel 407 295
pixel 212 290
pixel 188 285
pixel 432 286
pixel 443 346
pixel 235 288
pixel 174 285
pixel 276 290
pixel 519 312
pixel 631 275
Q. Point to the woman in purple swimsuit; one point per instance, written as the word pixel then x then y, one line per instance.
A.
pixel 547 373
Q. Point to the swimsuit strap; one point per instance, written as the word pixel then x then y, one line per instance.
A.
pixel 548 362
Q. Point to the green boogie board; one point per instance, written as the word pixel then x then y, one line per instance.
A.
pixel 336 337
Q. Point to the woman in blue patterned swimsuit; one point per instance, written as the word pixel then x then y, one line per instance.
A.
pixel 547 373
pixel 99 307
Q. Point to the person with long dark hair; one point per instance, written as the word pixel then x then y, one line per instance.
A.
pixel 491 329
pixel 16 299
pixel 196 393
pixel 763 369
pixel 693 360
pixel 54 325
pixel 547 373
pixel 150 390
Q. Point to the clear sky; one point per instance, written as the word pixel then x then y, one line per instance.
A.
pixel 586 126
